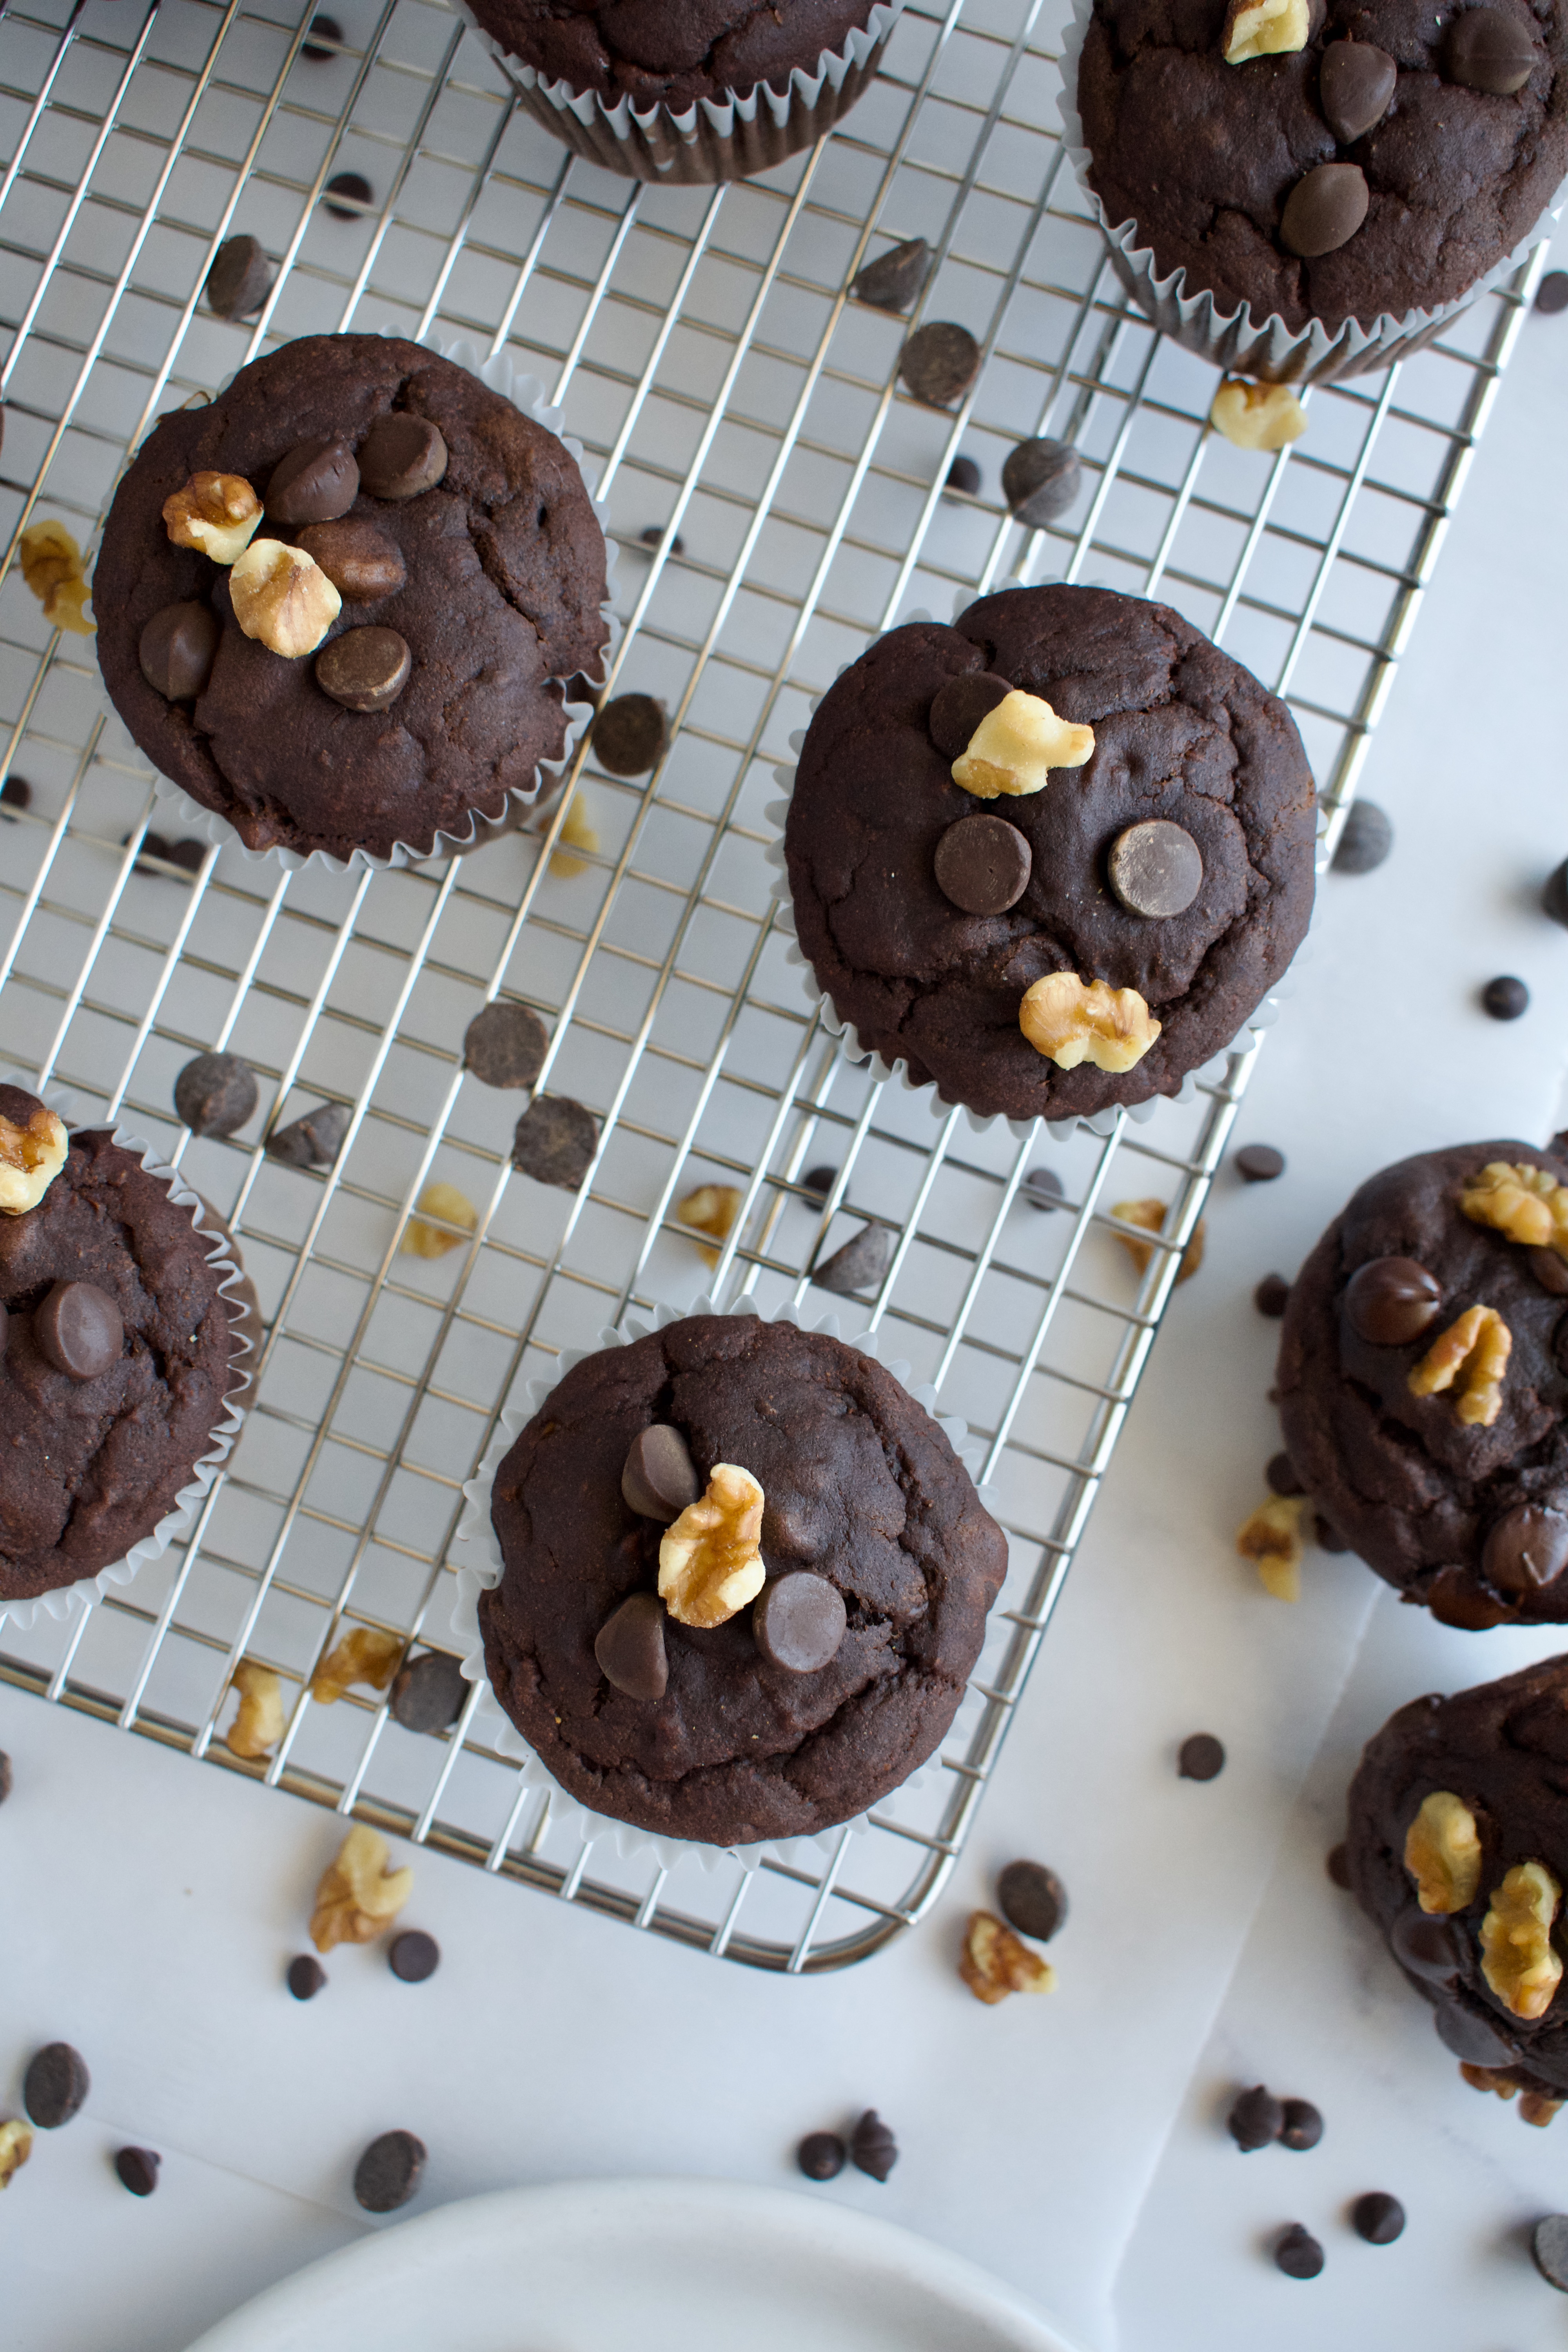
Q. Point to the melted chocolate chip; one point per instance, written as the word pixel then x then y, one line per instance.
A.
pixel 1324 210
pixel 1490 49
pixel 365 669
pixel 1390 1301
pixel 1156 870
pixel 401 456
pixel 80 1330
pixel 958 707
pixel 1355 83
pixel 1527 1548
pixel 177 648
pixel 629 1647
pixel 660 1479
pixel 1427 1944
pixel 316 482
pixel 799 1621
pixel 361 562
pixel 983 863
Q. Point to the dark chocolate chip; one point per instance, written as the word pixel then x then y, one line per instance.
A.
pixel 1303 2125
pixel 216 1094
pixel 401 456
pixel 240 278
pixel 964 476
pixel 1366 841
pixel 821 2154
pixel 1324 210
pixel 80 1330
pixel 860 1265
pixel 659 1478
pixel 630 734
pixel 1256 2119
pixel 412 1956
pixel 819 1180
pixel 365 669
pixel 1390 1301
pixel 1355 83
pixel 1201 1757
pixel 1550 1271
pixel 1455 1598
pixel 958 707
pixel 982 865
pixel 1549 2246
pixel 323 39
pixel 1041 479
pixel 1281 1475
pixel 55 2085
pixel 177 648
pixel 429 1692
pixel 1298 2253
pixel 555 1141
pixel 1032 1899
pixel 387 2174
pixel 352 191
pixel 1339 1867
pixel 305 1977
pixel 312 1141
pixel 1489 50
pixel 1379 2218
pixel 1552 295
pixel 655 537
pixel 138 2170
pixel 629 1647
pixel 1471 2038
pixel 505 1044
pixel 1505 998
pixel 1272 1297
pixel 316 482
pixel 1259 1163
pixel 1042 1188
pixel 1326 1536
pixel 6 1783
pixel 939 363
pixel 872 2146
pixel 191 854
pixel 895 277
pixel 1156 869
pixel 16 793
pixel 1526 1549
pixel 359 560
pixel 799 1621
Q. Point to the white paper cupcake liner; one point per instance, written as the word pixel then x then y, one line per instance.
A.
pixel 1234 339
pixel 66 1599
pixel 527 394
pixel 481 1570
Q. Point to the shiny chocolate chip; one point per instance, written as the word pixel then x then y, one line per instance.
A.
pixel 1390 1301
pixel 365 669
pixel 958 707
pixel 1526 1549
pixel 1156 869
pixel 1040 480
pixel 1303 2125
pixel 177 648
pixel 982 865
pixel 799 1621
pixel 1455 1598
pixel 1324 210
pixel 1490 49
pixel 660 1478
pixel 629 1647
pixel 388 2173
pixel 1472 2038
pixel 316 482
pixel 240 278
pixel 1355 83
pixel 1378 2218
pixel 359 560
pixel 1427 1944
pixel 80 1330
pixel 401 456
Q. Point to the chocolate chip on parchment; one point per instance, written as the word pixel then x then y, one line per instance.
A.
pixel 1390 1301
pixel 629 1648
pixel 1549 2246
pixel 1155 868
pixel 240 278
pixel 1303 2125
pixel 939 363
pixel 958 707
pixel 964 476
pixel 1281 1476
pixel 138 2170
pixel 1365 842
pixel 1201 1757
pixel 365 669
pixel 872 2146
pixel 505 1044
pixel 555 1141
pixel 1272 1296
pixel 895 277
pixel 659 1478
pixel 1338 1866
pixel 216 1094
pixel 305 1975
pixel 1490 49
pixel 1259 1163
pixel 1380 2218
pixel 359 560
pixel 860 1265
pixel 413 1956
pixel 1041 479
pixel 323 39
pixel 312 1141
pixel 429 1693
pixel 799 1621
pixel 1324 210
pixel 1298 2253
pixel 177 648
pixel 1505 998
pixel 821 2155
pixel 80 1330
pixel 317 481
pixel 55 2084
pixel 1355 82
pixel 982 865
pixel 401 456
pixel 1255 2119
pixel 388 2173
pixel 1032 1899
pixel 630 734
pixel 352 191
pixel 1552 294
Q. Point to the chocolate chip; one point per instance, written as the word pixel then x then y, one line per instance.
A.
pixel 1201 1757
pixel 1454 1598
pixel 1324 210
pixel 359 560
pixel 321 31
pixel 55 2084
pixel 177 648
pixel 655 537
pixel 1040 480
pixel 1549 2245
pixel 1303 2125
pixel 1552 295
pixel 819 1180
pixel 799 1621
pixel 1471 2038
pixel 351 189
pixel 982 865
pixel 240 278
pixel 312 1141
pixel 401 456
pixel 1554 894
pixel 964 476
pixel 505 1044
pixel 1298 2253
pixel 1032 1899
pixel 316 482
pixel 1327 1537
pixel 190 854
pixel 1281 1475
pixel 821 2154
pixel 305 1977
pixel 1526 1549
pixel 1156 869
pixel 659 1478
pixel 429 1692
pixel 958 707
pixel 16 793
pixel 895 277
pixel 1505 998
pixel 555 1141
pixel 80 1330
pixel 1366 841
pixel 1338 1866
pixel 6 1783
pixel 1355 83
pixel 629 1647
pixel 365 669
pixel 872 2146
pixel 939 363
pixel 1259 1163
pixel 387 2174
pixel 216 1094
pixel 630 734
pixel 1042 1188
pixel 1489 50
pixel 1272 1297
pixel 1390 1301
pixel 860 1265
pixel 414 1956
pixel 138 2170
pixel 1380 2218
pixel 1550 1271
pixel 1256 2119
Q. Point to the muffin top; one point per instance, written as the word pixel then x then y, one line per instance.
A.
pixel 864 1520
pixel 429 515
pixel 1443 131
pixel 1187 747
pixel 655 55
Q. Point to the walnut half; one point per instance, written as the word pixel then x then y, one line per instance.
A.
pixel 1516 1957
pixel 711 1560
pixel 282 597
pixel 1526 1204
pixel 258 1727
pixel 214 513
pixel 1272 1536
pixel 1264 28
pixel 1442 1853
pixel 1071 1021
pixel 52 567
pixel 996 1962
pixel 31 1156
pixel 1474 1351
pixel 358 1895
pixel 1017 745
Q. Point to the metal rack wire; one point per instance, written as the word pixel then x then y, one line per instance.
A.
pixel 776 499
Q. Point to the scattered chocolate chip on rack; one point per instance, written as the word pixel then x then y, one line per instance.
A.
pixel 352 191
pixel 1041 479
pixel 555 1142
pixel 860 1265
pixel 240 278
pixel 1272 1296
pixel 631 734
pixel 1302 2127
pixel 1042 1188
pixel 893 281
pixel 314 1141
pixel 216 1094
pixel 429 1693
pixel 1366 841
pixel 1256 2119
pixel 505 1044
pixel 1552 294
pixel 939 363
pixel 323 38
pixel 963 477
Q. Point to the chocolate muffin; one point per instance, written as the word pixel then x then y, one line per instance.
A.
pixel 116 1350
pixel 1457 1850
pixel 1423 1381
pixel 338 604
pixel 745 1577
pixel 1052 857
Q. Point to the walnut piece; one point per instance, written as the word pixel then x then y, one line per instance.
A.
pixel 1488 2078
pixel 1152 1215
pixel 358 1895
pixel 1071 1021
pixel 31 1156
pixel 214 513
pixel 1257 416
pixel 282 597
pixel 258 1727
pixel 453 1208
pixel 52 567
pixel 710 1209
pixel 1442 1853
pixel 1273 1538
pixel 1516 1957
pixel 1475 1352
pixel 996 1962
pixel 1526 1204
pixel 1017 745
pixel 711 1561
pixel 578 831
pixel 366 1655
pixel 15 2147
pixel 1535 2108
pixel 1264 28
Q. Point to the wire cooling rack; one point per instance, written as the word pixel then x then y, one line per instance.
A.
pixel 777 498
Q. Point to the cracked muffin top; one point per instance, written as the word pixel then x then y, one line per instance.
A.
pixel 337 605
pixel 656 55
pixel 1052 857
